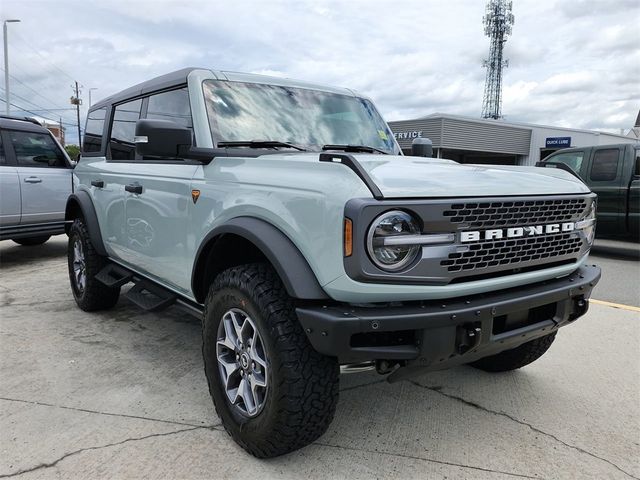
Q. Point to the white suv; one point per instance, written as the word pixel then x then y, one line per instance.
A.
pixel 35 182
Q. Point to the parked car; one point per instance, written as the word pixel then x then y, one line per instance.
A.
pixel 35 182
pixel 613 173
pixel 284 215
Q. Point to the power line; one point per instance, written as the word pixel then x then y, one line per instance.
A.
pixel 37 114
pixel 31 88
pixel 17 35
pixel 38 107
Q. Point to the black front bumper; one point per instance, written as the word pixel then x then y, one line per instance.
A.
pixel 435 335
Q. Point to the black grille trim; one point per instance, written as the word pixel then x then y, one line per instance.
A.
pixel 507 253
pixel 517 212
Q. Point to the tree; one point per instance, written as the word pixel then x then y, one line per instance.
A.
pixel 73 151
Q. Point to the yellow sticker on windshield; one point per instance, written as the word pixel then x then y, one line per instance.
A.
pixel 383 134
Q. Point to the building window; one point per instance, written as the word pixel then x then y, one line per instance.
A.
pixel 93 130
pixel 123 130
pixel 605 165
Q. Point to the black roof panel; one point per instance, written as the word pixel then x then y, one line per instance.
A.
pixel 158 83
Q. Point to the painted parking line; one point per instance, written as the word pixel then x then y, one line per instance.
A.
pixel 616 305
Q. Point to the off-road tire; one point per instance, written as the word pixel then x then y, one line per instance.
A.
pixel 32 241
pixel 95 295
pixel 517 357
pixel 303 384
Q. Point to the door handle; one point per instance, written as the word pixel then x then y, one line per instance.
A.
pixel 33 180
pixel 133 188
pixel 97 183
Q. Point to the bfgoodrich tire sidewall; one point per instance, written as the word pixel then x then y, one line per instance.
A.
pixel 239 424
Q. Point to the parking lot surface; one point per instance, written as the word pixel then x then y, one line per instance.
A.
pixel 122 394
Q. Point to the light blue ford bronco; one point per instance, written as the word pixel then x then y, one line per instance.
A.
pixel 285 215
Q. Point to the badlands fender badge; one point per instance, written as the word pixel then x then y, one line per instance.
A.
pixel 195 195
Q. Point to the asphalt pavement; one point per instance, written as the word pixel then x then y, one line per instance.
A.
pixel 122 394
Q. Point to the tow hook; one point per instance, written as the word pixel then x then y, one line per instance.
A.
pixel 468 337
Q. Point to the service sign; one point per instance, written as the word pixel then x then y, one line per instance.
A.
pixel 558 142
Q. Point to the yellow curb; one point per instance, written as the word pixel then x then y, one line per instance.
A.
pixel 616 305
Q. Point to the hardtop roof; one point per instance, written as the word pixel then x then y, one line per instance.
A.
pixel 179 77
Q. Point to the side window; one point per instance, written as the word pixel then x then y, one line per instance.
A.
pixel 36 150
pixel 637 170
pixel 94 130
pixel 173 105
pixel 605 165
pixel 571 159
pixel 123 130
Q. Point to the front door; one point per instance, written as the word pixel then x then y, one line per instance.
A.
pixel 157 204
pixel 44 175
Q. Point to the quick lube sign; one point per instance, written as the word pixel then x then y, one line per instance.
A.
pixel 557 142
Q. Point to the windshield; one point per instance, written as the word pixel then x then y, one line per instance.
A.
pixel 310 118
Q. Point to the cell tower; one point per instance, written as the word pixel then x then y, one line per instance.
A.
pixel 497 26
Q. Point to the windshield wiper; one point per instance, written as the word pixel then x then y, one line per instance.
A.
pixel 260 144
pixel 354 148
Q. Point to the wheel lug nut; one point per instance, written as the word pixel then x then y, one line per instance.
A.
pixel 253 364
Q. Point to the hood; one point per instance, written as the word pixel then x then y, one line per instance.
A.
pixel 412 177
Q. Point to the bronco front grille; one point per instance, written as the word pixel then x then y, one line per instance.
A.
pixel 510 213
pixel 492 253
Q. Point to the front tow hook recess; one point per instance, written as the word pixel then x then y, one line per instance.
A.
pixel 468 337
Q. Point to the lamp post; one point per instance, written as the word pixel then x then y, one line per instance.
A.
pixel 93 88
pixel 6 63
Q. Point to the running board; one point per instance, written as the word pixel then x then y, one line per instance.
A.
pixel 150 297
pixel 114 276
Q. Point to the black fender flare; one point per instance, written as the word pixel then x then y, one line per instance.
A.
pixel 81 201
pixel 293 269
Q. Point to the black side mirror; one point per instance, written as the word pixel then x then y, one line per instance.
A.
pixel 422 147
pixel 161 138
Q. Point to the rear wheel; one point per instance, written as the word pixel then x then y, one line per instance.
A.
pixel 31 241
pixel 84 263
pixel 517 357
pixel 273 392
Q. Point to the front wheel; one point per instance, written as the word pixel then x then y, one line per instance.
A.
pixel 84 263
pixel 516 357
pixel 273 392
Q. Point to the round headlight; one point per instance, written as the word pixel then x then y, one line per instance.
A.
pixel 590 224
pixel 384 240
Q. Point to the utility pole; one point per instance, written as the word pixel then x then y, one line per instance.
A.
pixel 77 102
pixel 6 64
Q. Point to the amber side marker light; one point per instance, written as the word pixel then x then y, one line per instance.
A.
pixel 348 237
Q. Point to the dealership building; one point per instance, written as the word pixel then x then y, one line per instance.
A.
pixel 473 140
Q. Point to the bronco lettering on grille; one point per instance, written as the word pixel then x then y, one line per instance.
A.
pixel 516 232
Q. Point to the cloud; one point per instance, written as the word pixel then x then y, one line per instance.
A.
pixel 573 63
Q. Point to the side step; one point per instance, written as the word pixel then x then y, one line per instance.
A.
pixel 150 297
pixel 114 276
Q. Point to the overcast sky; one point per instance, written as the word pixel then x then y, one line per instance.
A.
pixel 573 63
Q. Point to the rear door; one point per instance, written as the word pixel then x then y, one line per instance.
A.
pixel 44 174
pixel 9 189
pixel 605 179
